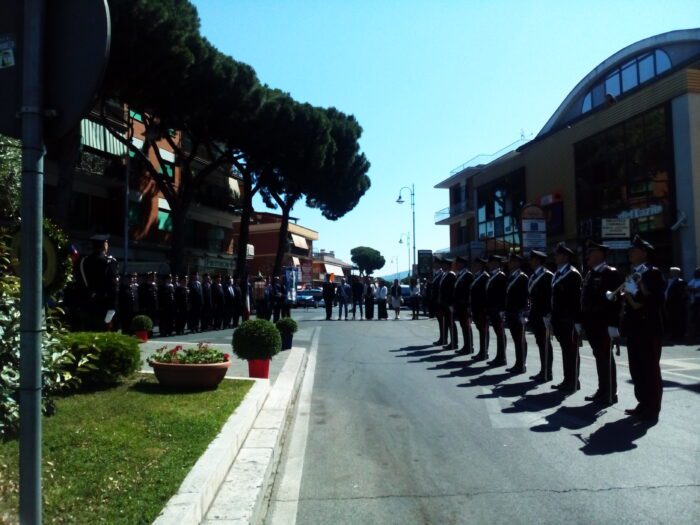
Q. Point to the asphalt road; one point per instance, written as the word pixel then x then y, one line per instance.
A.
pixel 394 430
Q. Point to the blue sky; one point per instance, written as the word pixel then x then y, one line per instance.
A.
pixel 433 83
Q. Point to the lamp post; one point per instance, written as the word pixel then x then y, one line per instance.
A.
pixel 408 248
pixel 412 191
pixel 395 258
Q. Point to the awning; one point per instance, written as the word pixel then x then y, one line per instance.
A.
pixel 295 261
pixel 332 268
pixel 299 241
pixel 96 136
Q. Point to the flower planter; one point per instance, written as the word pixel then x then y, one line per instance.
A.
pixel 190 376
pixel 287 339
pixel 142 335
pixel 259 368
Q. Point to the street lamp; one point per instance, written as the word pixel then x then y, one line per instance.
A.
pixel 412 191
pixel 395 258
pixel 408 247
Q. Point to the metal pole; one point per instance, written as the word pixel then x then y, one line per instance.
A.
pixel 413 208
pixel 31 322
pixel 126 213
pixel 408 249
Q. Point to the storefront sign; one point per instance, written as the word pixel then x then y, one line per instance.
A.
pixel 623 244
pixel 425 263
pixel 615 228
pixel 306 271
pixel 476 249
pixel 638 213
pixel 534 234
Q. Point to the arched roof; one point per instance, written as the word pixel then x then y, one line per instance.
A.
pixel 679 45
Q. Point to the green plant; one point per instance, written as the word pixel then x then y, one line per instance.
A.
pixel 256 339
pixel 203 353
pixel 287 325
pixel 59 365
pixel 141 322
pixel 114 356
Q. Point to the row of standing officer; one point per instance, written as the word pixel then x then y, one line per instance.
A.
pixel 561 305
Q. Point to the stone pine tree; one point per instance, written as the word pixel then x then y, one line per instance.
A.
pixel 367 259
pixel 10 176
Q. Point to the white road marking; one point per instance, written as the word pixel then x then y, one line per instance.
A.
pixel 286 501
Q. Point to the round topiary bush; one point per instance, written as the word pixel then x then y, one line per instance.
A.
pixel 287 325
pixel 112 356
pixel 141 322
pixel 256 339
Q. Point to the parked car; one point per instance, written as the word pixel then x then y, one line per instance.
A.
pixel 306 299
pixel 406 296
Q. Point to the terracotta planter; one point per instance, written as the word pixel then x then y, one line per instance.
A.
pixel 259 368
pixel 287 339
pixel 190 376
pixel 142 335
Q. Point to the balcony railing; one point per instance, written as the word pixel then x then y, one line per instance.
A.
pixel 454 210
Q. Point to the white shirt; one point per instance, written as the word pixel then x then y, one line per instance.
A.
pixel 382 292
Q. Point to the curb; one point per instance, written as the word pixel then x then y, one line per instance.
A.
pixel 241 496
pixel 200 486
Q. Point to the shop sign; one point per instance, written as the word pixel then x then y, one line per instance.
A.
pixel 615 228
pixel 620 244
pixel 476 249
pixel 534 234
pixel 425 263
pixel 638 213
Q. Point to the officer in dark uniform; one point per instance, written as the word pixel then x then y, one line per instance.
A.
pixel 447 298
pixel 98 274
pixel 566 312
pixel 540 291
pixel 166 300
pixel 182 305
pixel 196 302
pixel 462 304
pixel 218 303
pixel 642 324
pixel 600 319
pixel 516 307
pixel 477 300
pixel 148 295
pixel 128 301
pixel 207 303
pixel 495 306
pixel 435 298
pixel 328 293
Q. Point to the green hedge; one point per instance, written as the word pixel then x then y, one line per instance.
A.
pixel 115 356
pixel 287 325
pixel 256 339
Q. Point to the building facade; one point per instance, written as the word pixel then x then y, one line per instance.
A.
pixel 623 148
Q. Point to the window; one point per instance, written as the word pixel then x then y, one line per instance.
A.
pixel 165 221
pixel 587 103
pixel 612 84
pixel 136 116
pixel 168 169
pixel 646 68
pixel 499 204
pixel 663 62
pixel 629 75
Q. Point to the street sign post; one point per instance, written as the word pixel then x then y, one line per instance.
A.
pixel 534 228
pixel 52 57
pixel 425 263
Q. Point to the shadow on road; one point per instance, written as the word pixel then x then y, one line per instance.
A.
pixel 411 348
pixel 511 390
pixel 484 380
pixel 616 436
pixel 536 402
pixel 573 418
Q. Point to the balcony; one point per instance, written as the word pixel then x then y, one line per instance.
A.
pixel 446 215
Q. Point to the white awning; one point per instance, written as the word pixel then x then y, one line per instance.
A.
pixel 332 268
pixel 295 261
pixel 299 241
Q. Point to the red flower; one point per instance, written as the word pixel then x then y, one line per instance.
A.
pixel 226 357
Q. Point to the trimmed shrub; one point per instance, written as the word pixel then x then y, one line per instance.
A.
pixel 116 356
pixel 256 339
pixel 287 325
pixel 141 322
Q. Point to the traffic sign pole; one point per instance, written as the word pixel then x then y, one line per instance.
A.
pixel 31 319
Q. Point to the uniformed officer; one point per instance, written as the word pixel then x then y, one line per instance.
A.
pixel 540 292
pixel 495 306
pixel 128 302
pixel 98 274
pixel 148 297
pixel 477 300
pixel 642 324
pixel 600 319
pixel 218 303
pixel 207 303
pixel 182 305
pixel 196 302
pixel 566 311
pixel 462 304
pixel 435 298
pixel 447 298
pixel 166 300
pixel 516 308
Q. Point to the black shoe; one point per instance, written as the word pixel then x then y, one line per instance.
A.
pixel 439 342
pixel 594 397
pixel 560 386
pixel 497 362
pixel 538 377
pixel 480 357
pixel 605 400
pixel 516 370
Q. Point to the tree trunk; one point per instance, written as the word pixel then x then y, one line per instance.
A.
pixel 282 239
pixel 67 151
pixel 243 235
pixel 177 252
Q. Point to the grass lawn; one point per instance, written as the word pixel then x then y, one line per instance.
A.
pixel 118 455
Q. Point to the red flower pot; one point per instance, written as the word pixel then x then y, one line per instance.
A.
pixel 259 368
pixel 177 375
pixel 142 335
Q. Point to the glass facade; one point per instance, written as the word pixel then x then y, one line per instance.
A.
pixel 498 208
pixel 627 172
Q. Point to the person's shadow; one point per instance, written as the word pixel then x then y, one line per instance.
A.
pixel 616 436
pixel 573 418
pixel 511 389
pixel 484 380
pixel 536 402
